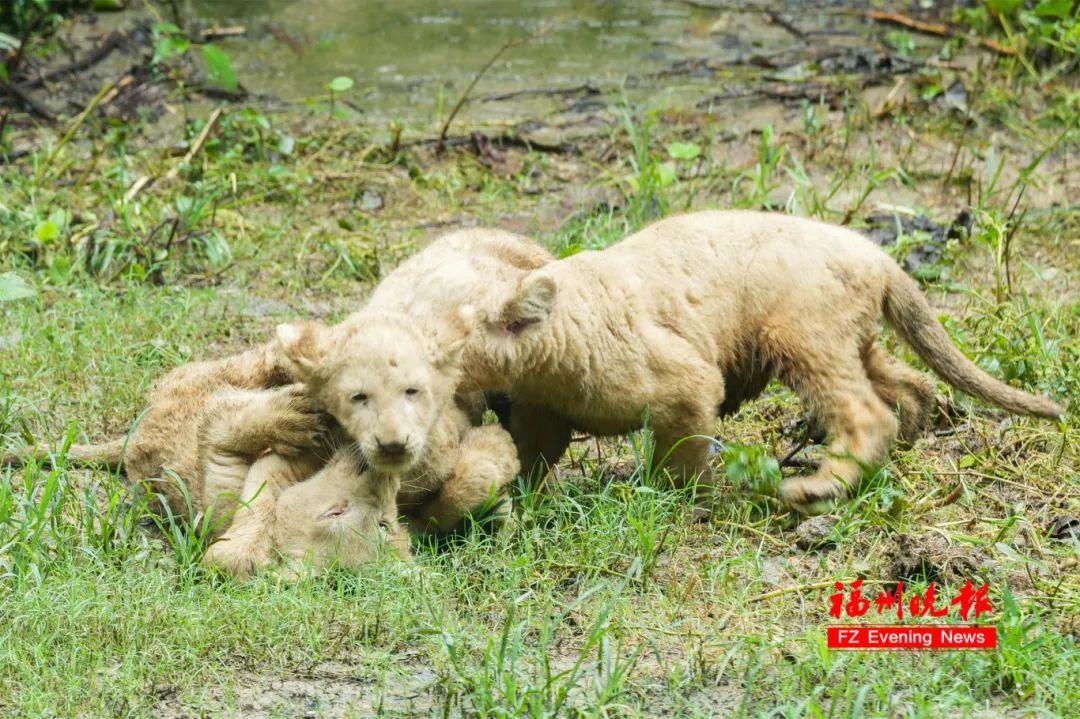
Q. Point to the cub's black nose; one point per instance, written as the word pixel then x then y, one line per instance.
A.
pixel 390 447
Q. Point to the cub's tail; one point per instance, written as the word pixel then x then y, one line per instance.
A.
pixel 107 454
pixel 909 314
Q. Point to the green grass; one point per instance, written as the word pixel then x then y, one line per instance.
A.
pixel 606 598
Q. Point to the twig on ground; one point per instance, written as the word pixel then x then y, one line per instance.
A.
pixel 936 28
pixel 92 58
pixel 949 498
pixel 286 39
pixel 28 100
pixel 772 18
pixel 146 180
pixel 800 446
pixel 214 33
pixel 512 42
pixel 586 88
pixel 79 120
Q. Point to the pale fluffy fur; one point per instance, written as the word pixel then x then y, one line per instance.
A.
pixel 390 381
pixel 695 314
pixel 459 466
pixel 234 437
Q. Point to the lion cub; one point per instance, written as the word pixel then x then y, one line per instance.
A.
pixel 237 437
pixel 391 384
pixel 696 314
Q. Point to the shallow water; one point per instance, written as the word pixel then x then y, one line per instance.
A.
pixel 411 59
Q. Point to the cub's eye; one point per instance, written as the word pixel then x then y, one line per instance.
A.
pixel 516 327
pixel 359 397
pixel 384 525
pixel 411 391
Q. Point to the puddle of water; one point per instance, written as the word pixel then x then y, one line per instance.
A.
pixel 411 59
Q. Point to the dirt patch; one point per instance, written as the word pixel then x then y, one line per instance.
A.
pixel 930 557
pixel 329 689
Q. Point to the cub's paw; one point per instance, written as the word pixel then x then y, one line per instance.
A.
pixel 240 559
pixel 296 422
pixel 812 495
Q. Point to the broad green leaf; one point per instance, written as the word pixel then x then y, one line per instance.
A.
pixel 666 175
pixel 1054 8
pixel 340 84
pixel 683 151
pixel 168 47
pixel 46 231
pixel 219 64
pixel 13 287
pixel 1004 7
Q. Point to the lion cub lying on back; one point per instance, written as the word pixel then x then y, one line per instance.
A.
pixel 239 428
pixel 256 451
pixel 695 314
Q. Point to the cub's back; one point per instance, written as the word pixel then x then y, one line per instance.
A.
pixel 474 266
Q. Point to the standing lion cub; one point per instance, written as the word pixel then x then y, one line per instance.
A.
pixel 696 314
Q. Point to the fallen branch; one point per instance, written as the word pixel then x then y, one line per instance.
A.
pixel 214 33
pixel 92 58
pixel 938 29
pixel 286 39
pixel 510 140
pixel 772 18
pixel 512 42
pixel 809 587
pixel 587 89
pixel 26 99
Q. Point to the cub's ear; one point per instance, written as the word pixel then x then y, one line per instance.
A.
pixel 303 346
pixel 532 303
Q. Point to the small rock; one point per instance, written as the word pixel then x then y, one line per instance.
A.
pixel 10 340
pixel 371 201
pixel 816 532
pixel 930 556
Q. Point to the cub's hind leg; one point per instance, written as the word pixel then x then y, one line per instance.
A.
pixel 250 422
pixel 908 392
pixel 487 463
pixel 541 438
pixel 859 425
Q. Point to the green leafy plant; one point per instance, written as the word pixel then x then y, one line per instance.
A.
pixel 1042 32
pixel 751 467
pixel 172 43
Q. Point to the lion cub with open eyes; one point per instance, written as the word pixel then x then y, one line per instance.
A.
pixel 392 387
pixel 237 438
pixel 695 314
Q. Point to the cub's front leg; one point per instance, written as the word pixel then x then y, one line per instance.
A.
pixel 249 423
pixel 487 463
